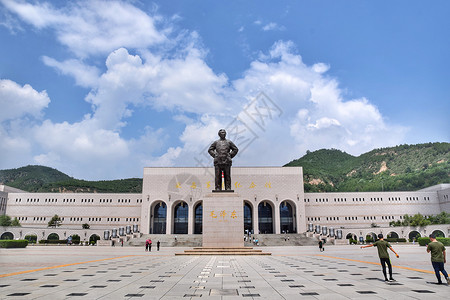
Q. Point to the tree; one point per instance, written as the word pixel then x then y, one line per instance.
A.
pixel 15 222
pixel 55 221
pixel 5 220
pixel 76 239
pixel 85 226
pixel 442 218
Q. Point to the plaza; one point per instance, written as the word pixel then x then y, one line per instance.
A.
pixel 340 272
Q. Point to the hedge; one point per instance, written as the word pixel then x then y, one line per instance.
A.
pixel 423 241
pixel 13 243
pixel 396 240
pixel 53 242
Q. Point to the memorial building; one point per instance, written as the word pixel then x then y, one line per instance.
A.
pixel 175 201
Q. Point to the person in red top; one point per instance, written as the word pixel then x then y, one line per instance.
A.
pixel 150 245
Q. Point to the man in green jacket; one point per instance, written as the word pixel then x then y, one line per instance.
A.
pixel 438 260
pixel 383 254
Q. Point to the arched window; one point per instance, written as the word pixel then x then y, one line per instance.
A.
pixel 7 236
pixel 180 219
pixel 265 220
pixel 287 220
pixel 413 236
pixel 248 217
pixel 438 233
pixel 53 236
pixel 159 218
pixel 198 222
pixel 392 234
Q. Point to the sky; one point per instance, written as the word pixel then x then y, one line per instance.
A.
pixel 101 89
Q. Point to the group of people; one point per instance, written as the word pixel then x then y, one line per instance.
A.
pixel 148 245
pixel 436 248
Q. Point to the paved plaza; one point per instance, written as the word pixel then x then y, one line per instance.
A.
pixel 340 272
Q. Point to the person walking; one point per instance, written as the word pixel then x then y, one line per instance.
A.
pixel 157 245
pixel 438 259
pixel 146 245
pixel 321 246
pixel 383 254
pixel 150 245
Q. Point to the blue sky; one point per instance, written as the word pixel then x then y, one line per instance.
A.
pixel 100 90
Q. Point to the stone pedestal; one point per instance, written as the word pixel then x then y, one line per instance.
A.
pixel 223 220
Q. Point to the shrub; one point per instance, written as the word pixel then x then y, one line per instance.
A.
pixel 32 238
pixel 76 239
pixel 396 240
pixel 56 242
pixel 423 241
pixel 445 241
pixel 52 241
pixel 13 243
pixel 353 242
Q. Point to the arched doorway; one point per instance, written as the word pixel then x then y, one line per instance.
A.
pixel 159 218
pixel 413 236
pixel 93 239
pixel 371 237
pixel 248 217
pixel 287 220
pixel 7 236
pixel 438 233
pixel 198 220
pixel 180 218
pixel 265 219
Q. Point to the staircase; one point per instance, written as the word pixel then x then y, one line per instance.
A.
pixel 167 240
pixel 223 251
pixel 291 239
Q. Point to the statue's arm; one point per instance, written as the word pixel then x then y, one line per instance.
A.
pixel 212 150
pixel 234 149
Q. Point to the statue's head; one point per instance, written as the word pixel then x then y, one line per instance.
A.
pixel 222 133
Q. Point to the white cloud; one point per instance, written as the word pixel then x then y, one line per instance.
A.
pixel 92 27
pixel 17 101
pixel 185 84
pixel 178 82
pixel 273 26
pixel 85 75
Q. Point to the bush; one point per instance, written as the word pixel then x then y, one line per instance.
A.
pixel 75 239
pixel 53 242
pixel 353 242
pixel 445 241
pixel 31 238
pixel 423 241
pixel 13 243
pixel 396 240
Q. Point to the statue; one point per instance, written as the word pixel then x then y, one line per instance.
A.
pixel 223 151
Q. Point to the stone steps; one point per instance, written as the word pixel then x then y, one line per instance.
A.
pixel 223 251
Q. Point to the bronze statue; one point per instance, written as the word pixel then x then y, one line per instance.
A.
pixel 223 151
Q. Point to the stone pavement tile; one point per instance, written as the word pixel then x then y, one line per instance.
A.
pixel 144 269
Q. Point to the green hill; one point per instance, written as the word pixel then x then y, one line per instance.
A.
pixel 400 168
pixel 31 178
pixel 40 179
